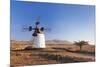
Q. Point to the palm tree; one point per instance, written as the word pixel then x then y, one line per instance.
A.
pixel 80 44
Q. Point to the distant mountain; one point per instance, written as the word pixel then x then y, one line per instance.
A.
pixel 20 42
pixel 47 42
pixel 58 42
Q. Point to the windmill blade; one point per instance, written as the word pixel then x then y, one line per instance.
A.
pixel 42 29
pixel 25 28
pixel 37 20
pixel 46 29
pixel 37 23
pixel 30 28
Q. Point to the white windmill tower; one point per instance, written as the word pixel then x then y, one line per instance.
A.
pixel 38 36
pixel 38 40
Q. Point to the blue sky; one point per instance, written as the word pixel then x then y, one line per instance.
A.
pixel 66 21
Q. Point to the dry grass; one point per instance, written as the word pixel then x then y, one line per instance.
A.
pixel 53 54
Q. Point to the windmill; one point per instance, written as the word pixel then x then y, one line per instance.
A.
pixel 38 35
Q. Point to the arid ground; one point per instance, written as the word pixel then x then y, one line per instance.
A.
pixel 23 54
